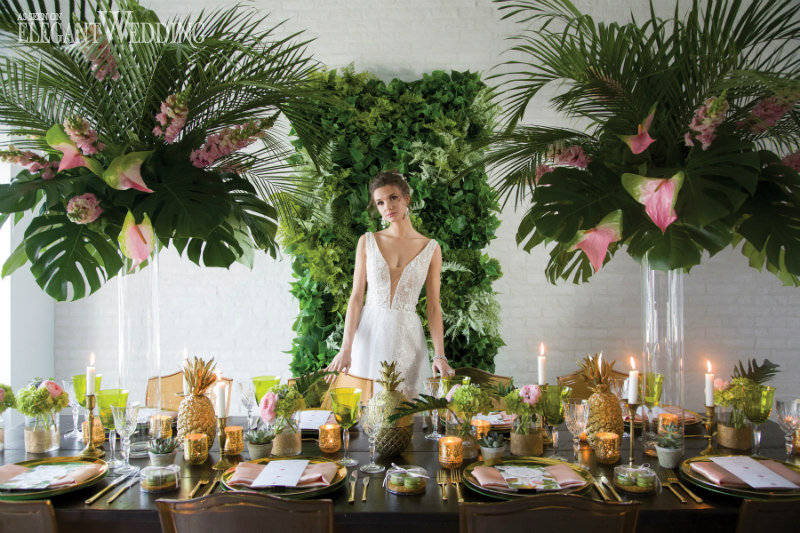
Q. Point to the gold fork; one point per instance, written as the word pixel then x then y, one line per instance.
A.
pixel 203 481
pixel 214 483
pixel 441 480
pixel 455 479
pixel 673 479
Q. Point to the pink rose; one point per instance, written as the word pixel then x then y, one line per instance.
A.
pixel 530 394
pixel 720 384
pixel 449 395
pixel 52 387
pixel 267 407
pixel 2 394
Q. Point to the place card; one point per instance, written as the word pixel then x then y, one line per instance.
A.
pixel 281 474
pixel 313 419
pixel 753 472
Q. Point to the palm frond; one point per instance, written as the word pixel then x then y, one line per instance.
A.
pixel 760 373
pixel 418 405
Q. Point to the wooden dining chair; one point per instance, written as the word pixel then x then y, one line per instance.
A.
pixel 768 516
pixel 550 512
pixel 349 380
pixel 580 391
pixel 172 392
pixel 28 517
pixel 239 511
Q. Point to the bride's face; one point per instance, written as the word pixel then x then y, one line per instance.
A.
pixel 390 202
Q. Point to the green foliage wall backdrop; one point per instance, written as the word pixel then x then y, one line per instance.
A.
pixel 424 129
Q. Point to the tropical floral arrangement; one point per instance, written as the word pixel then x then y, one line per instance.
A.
pixel 128 144
pixel 691 137
pixel 7 400
pixel 278 405
pixel 42 400
pixel 731 393
pixel 524 403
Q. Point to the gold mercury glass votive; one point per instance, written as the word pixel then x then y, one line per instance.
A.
pixel 607 447
pixel 482 428
pixel 451 454
pixel 195 448
pixel 160 426
pixel 330 438
pixel 234 444
pixel 98 434
pixel 796 442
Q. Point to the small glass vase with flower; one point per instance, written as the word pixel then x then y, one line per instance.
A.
pixel 526 435
pixel 40 402
pixel 465 401
pixel 280 410
pixel 7 401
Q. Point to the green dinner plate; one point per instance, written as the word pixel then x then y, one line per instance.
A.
pixel 290 492
pixel 698 479
pixel 49 493
pixel 472 483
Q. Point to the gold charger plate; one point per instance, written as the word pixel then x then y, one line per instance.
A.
pixel 290 492
pixel 472 483
pixel 698 479
pixel 49 493
pixel 698 418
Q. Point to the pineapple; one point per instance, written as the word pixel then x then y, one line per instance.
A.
pixel 605 413
pixel 196 412
pixel 394 437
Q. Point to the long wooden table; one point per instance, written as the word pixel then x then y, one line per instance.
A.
pixel 135 510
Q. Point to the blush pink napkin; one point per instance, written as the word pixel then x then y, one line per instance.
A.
pixel 77 476
pixel 490 477
pixel 8 472
pixel 720 476
pixel 315 475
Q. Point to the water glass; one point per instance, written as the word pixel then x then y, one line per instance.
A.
pixel 371 423
pixel 554 397
pixel 433 387
pixel 76 407
pixel 577 416
pixel 105 400
pixel 757 408
pixel 248 397
pixel 787 411
pixel 345 405
pixel 125 421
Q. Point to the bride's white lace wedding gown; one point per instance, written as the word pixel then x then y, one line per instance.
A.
pixel 390 329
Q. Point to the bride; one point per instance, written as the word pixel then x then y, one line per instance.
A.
pixel 393 263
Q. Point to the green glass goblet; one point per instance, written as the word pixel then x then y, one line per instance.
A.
pixel 263 384
pixel 106 399
pixel 553 398
pixel 757 408
pixel 79 382
pixel 344 403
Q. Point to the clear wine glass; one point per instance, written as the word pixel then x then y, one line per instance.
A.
pixel 76 433
pixel 248 398
pixel 577 416
pixel 620 390
pixel 125 420
pixel 371 423
pixel 434 388
pixel 787 411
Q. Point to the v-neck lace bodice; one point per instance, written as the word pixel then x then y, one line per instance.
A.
pixel 412 278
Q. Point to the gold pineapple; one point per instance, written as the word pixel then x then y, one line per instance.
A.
pixel 394 437
pixel 605 413
pixel 196 412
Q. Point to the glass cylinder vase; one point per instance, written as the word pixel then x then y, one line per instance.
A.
pixel 662 335
pixel 42 433
pixel 287 440
pixel 527 438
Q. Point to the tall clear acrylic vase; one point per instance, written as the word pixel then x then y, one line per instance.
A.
pixel 662 375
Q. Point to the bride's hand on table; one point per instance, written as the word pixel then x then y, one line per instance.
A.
pixel 340 363
pixel 441 368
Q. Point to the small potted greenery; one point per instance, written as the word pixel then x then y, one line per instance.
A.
pixel 40 401
pixel 259 442
pixel 6 401
pixel 669 447
pixel 162 451
pixel 493 446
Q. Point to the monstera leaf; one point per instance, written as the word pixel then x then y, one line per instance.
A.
pixel 66 255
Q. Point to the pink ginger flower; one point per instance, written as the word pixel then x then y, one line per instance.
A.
pixel 792 161
pixel 706 120
pixel 530 394
pixel 83 209
pixel 97 50
pixel 572 156
pixel 30 160
pixel 82 135
pixel 770 110
pixel 52 387
pixel 172 117
pixel 230 140
pixel 267 407
pixel 720 384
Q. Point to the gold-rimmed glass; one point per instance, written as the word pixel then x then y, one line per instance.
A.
pixel 105 400
pixel 345 405
pixel 757 408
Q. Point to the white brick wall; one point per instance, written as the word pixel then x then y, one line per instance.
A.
pixel 244 318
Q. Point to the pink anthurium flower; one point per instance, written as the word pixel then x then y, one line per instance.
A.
pixel 124 172
pixel 267 407
pixel 657 194
pixel 638 143
pixel 594 242
pixel 136 240
pixel 58 139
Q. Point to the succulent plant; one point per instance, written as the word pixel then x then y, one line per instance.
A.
pixel 259 436
pixel 493 439
pixel 163 446
pixel 669 436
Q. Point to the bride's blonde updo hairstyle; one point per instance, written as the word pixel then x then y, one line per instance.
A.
pixel 387 177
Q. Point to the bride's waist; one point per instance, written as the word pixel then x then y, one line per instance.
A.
pixel 385 308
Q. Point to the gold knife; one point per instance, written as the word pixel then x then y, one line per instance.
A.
pixel 364 494
pixel 608 484
pixel 353 480
pixel 106 489
pixel 123 489
pixel 606 497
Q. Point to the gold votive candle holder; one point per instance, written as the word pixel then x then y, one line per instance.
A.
pixel 195 448
pixel 482 428
pixel 665 419
pixel 234 443
pixel 160 427
pixel 330 438
pixel 451 453
pixel 796 442
pixel 606 447
pixel 98 435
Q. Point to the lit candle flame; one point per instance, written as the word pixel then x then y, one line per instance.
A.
pixel 541 348
pixel 633 363
pixel 91 359
pixel 708 364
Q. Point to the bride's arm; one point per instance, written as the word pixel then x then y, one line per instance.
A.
pixel 341 363
pixel 434 309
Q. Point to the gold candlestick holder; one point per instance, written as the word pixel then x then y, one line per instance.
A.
pixel 91 451
pixel 711 429
pixel 224 462
pixel 632 408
